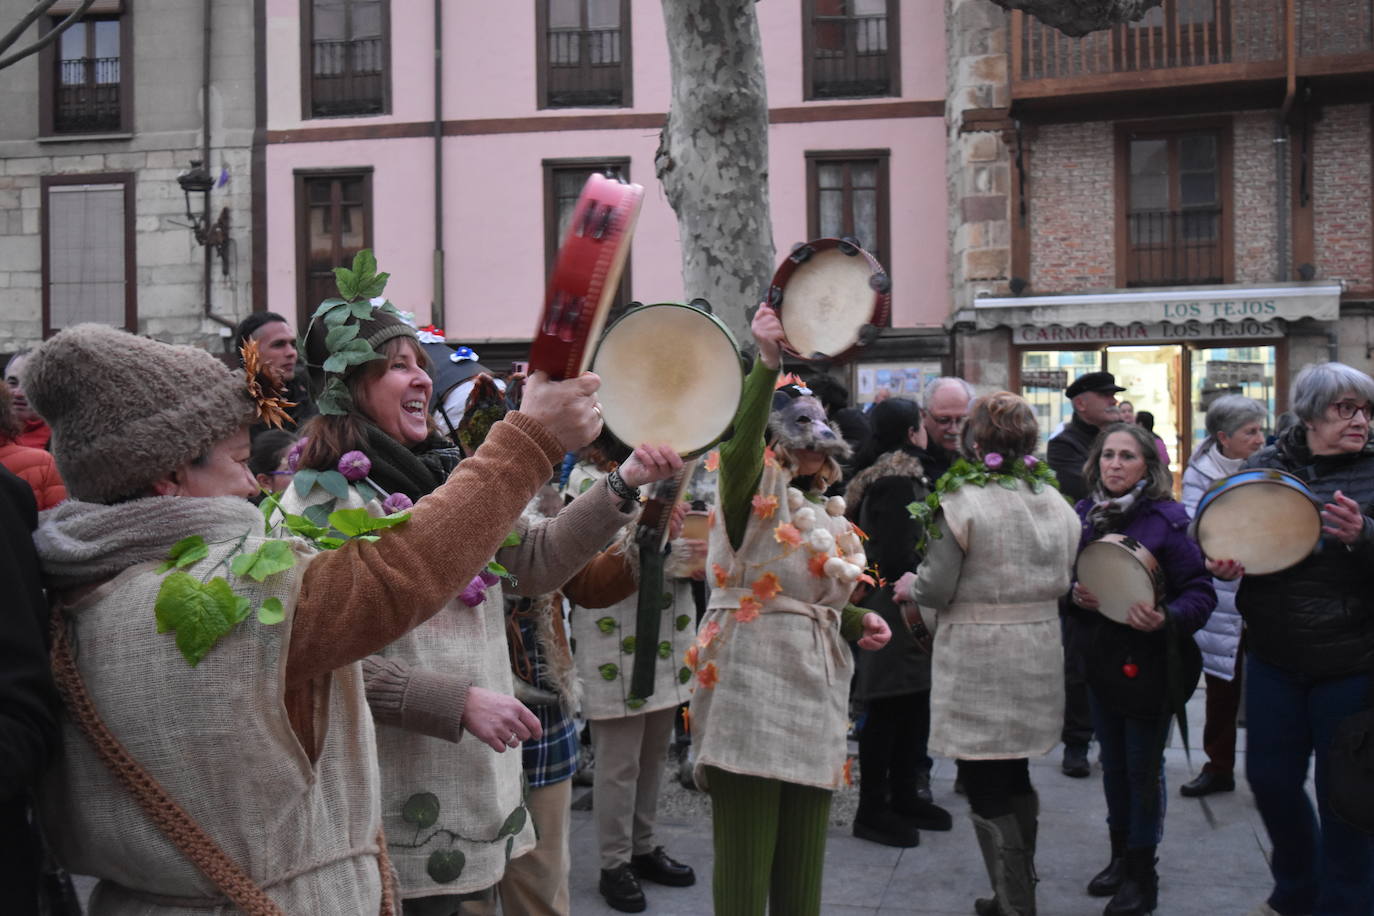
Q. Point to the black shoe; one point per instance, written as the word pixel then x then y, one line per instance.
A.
pixel 923 787
pixel 925 815
pixel 959 786
pixel 1208 782
pixel 885 827
pixel 1139 893
pixel 657 867
pixel 1108 881
pixel 1076 762
pixel 621 889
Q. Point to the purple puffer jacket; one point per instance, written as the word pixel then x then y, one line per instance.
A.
pixel 1162 526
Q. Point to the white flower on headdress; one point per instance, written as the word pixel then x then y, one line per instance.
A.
pixel 795 498
pixel 835 505
pixel 804 518
pixel 820 540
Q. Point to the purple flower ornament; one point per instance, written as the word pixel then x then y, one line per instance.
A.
pixel 396 502
pixel 992 460
pixel 354 466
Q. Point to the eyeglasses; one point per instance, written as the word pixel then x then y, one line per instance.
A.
pixel 280 473
pixel 1347 409
pixel 946 421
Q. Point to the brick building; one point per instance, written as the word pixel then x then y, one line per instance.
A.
pixel 1184 201
pixel 95 131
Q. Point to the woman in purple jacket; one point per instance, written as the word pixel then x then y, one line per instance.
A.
pixel 1132 666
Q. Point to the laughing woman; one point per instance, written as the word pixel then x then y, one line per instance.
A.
pixel 452 809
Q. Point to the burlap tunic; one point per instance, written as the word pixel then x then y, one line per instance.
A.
pixel 218 739
pixel 454 814
pixel 772 690
pixel 605 659
pixel 997 674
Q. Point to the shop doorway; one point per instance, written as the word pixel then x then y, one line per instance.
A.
pixel 1153 378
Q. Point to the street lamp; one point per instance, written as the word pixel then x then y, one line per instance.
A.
pixel 198 180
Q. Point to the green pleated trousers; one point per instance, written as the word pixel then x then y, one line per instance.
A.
pixel 769 840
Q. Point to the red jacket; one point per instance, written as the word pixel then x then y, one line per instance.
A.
pixel 36 434
pixel 38 470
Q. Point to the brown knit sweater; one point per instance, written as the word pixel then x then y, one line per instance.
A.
pixel 356 600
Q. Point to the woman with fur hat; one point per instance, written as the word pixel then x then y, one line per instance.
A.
pixel 770 709
pixel 453 809
pixel 234 762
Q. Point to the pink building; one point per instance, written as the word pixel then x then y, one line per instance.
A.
pixel 535 95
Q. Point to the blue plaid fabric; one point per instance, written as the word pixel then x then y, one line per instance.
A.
pixel 552 758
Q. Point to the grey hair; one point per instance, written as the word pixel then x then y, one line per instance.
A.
pixel 1227 414
pixel 1318 385
pixel 936 384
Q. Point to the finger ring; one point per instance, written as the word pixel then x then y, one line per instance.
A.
pixel 597 408
pixel 512 739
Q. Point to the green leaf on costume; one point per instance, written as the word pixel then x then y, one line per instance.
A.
pixel 347 282
pixel 665 601
pixel 269 559
pixel 304 480
pixel 362 309
pixel 354 522
pixel 364 264
pixel 584 487
pixel 816 498
pixel 339 336
pixel 608 671
pixel 634 702
pixel 445 865
pixel 334 400
pixel 269 505
pixel 607 625
pixel 1006 483
pixel 514 823
pixel 318 514
pixel 684 674
pixel 512 540
pixel 421 809
pixel 272 612
pixel 933 501
pixel 329 543
pixel 199 612
pixel 185 552
pixel 1037 486
pixel 374 287
pixel 498 569
pixel 327 305
pixel 627 645
pixel 336 316
pixel 510 845
pixel 335 484
pixel 682 622
pixel 301 526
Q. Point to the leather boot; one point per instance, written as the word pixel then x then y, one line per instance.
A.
pixel 1009 865
pixel 1140 891
pixel 1108 880
pixel 877 824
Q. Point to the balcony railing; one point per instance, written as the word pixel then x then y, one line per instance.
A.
pixel 1198 40
pixel 850 57
pixel 1174 248
pixel 87 95
pixel 347 77
pixel 584 68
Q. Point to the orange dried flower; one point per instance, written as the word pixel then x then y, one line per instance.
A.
pixel 787 533
pixel 708 676
pixel 708 633
pixel 686 720
pixel 721 575
pixel 766 587
pixel 691 657
pixel 265 386
pixel 859 531
pixel 712 462
pixel 749 609
pixel 816 565
pixel 765 506
pixel 848 771
pixel 770 457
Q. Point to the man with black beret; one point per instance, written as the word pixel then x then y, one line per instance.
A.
pixel 1093 396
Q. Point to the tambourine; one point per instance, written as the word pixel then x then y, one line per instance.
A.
pixel 670 375
pixel 832 297
pixel 1264 518
pixel 585 276
pixel 1120 571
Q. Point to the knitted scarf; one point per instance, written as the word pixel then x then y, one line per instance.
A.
pixel 415 471
pixel 1110 513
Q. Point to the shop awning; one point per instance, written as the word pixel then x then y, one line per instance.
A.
pixel 1160 313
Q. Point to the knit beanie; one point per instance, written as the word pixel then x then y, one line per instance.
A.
pixel 126 411
pixel 380 327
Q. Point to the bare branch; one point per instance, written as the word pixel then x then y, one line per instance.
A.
pixel 1079 17
pixel 39 8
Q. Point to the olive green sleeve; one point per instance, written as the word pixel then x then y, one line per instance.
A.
pixel 852 622
pixel 741 456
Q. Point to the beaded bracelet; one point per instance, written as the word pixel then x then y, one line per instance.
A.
pixel 620 488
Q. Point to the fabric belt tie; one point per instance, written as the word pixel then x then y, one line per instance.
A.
pixel 1029 612
pixel 825 630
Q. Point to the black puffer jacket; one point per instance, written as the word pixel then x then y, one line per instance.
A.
pixel 1317 618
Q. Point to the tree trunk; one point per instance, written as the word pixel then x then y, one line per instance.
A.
pixel 713 154
pixel 1079 17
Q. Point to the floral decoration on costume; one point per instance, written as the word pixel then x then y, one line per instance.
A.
pixel 749 609
pixel 765 506
pixel 993 468
pixel 766 587
pixel 712 463
pixel 787 533
pixel 708 676
pixel 721 574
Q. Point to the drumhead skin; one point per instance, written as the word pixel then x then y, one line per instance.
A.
pixel 1119 571
pixel 1264 519
pixel 670 375
pixel 829 294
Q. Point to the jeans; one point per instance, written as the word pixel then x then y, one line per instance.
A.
pixel 1325 868
pixel 1131 759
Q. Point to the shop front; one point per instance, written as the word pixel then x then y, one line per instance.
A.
pixel 1174 350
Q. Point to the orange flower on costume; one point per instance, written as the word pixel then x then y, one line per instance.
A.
pixel 708 676
pixel 859 531
pixel 770 457
pixel 690 657
pixel 712 461
pixel 787 533
pixel 765 506
pixel 708 633
pixel 766 587
pixel 711 518
pixel 849 771
pixel 816 565
pixel 749 608
pixel 719 572
pixel 686 720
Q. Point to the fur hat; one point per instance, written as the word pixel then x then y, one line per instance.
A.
pixel 798 421
pixel 125 410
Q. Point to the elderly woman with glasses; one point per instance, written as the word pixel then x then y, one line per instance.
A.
pixel 1310 639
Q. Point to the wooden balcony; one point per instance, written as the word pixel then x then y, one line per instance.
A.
pixel 1187 48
